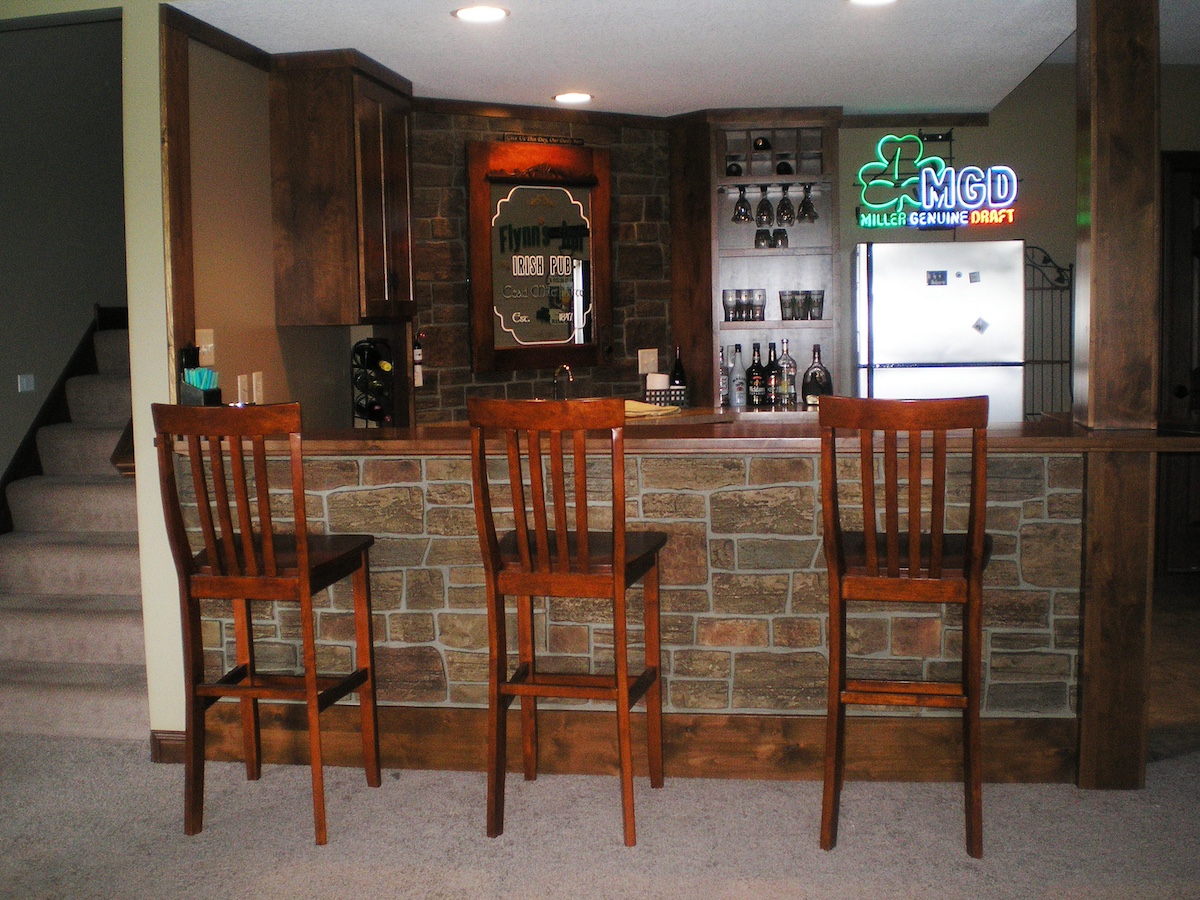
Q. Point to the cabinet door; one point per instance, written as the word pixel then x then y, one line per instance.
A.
pixel 381 144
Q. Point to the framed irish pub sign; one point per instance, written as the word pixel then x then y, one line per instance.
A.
pixel 540 258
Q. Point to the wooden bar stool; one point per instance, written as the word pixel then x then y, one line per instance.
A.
pixel 242 558
pixel 901 552
pixel 553 551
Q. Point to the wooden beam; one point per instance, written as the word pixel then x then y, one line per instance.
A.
pixel 1117 318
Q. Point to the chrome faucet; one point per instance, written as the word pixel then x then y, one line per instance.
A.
pixel 558 392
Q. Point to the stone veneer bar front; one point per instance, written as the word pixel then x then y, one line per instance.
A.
pixel 744 600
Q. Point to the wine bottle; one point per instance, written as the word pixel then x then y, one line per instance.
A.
pixel 817 382
pixel 787 378
pixel 722 377
pixel 771 373
pixel 418 363
pixel 737 380
pixel 678 379
pixel 756 380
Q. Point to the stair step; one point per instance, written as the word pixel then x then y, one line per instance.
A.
pixel 99 399
pixel 80 700
pixel 105 503
pixel 112 351
pixel 63 629
pixel 76 564
pixel 72 448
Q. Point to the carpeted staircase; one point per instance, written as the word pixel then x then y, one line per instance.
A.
pixel 72 653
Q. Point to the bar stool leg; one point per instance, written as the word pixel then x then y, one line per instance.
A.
pixel 527 659
pixel 251 735
pixel 364 653
pixel 654 721
pixel 497 722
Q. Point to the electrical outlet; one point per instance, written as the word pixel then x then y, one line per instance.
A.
pixel 26 383
pixel 243 389
pixel 257 382
pixel 206 344
pixel 647 361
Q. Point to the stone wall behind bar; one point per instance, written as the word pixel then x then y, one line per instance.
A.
pixel 640 243
pixel 743 586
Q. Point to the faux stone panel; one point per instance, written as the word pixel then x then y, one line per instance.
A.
pixel 453 552
pixel 1065 506
pixel 320 474
pixel 776 554
pixel 779 681
pixel 449 521
pixel 449 494
pixel 409 674
pixel 1050 555
pixel 777 510
pixel 732 633
pixel 722 553
pixel 678 631
pixel 448 470
pixel 781 470
pixel 467 597
pixel 686 694
pixel 701 664
pixel 424 589
pixel 463 631
pixel 917 636
pixel 409 628
pixel 391 471
pixel 1030 698
pixel 1030 666
pixel 1015 477
pixel 395 510
pixel 810 592
pixel 681 601
pixel 1065 472
pixel 691 474
pixel 797 633
pixel 750 594
pixel 684 560
pixel 387 590
pixel 1016 609
pixel 467 667
pixel 388 552
pixel 865 637
pixel 673 506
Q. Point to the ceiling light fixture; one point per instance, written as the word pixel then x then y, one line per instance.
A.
pixel 573 97
pixel 480 14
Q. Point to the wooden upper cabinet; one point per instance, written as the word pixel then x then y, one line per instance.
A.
pixel 340 190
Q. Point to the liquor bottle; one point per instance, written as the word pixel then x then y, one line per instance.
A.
pixel 678 379
pixel 722 377
pixel 787 378
pixel 418 363
pixel 756 380
pixel 817 382
pixel 771 378
pixel 737 380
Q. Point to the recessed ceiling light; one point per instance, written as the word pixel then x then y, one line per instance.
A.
pixel 573 97
pixel 480 13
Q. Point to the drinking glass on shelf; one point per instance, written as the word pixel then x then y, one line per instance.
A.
pixel 729 302
pixel 764 215
pixel 803 304
pixel 741 209
pixel 816 304
pixel 807 212
pixel 758 305
pixel 787 305
pixel 743 306
pixel 785 213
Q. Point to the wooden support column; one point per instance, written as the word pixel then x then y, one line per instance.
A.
pixel 1117 368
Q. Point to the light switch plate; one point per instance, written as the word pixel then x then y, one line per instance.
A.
pixel 647 361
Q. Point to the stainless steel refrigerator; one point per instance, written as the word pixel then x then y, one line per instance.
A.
pixel 942 320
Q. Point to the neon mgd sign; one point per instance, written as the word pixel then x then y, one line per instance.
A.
pixel 904 188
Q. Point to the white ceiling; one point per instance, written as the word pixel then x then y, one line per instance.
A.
pixel 673 56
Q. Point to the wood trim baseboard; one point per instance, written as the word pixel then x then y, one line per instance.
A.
pixel 695 745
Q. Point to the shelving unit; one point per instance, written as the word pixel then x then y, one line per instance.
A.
pixel 795 156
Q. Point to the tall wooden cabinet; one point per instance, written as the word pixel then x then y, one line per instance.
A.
pixel 340 190
pixel 716 158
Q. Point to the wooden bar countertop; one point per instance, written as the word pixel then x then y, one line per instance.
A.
pixel 722 431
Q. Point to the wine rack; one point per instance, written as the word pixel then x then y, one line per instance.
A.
pixel 372 392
